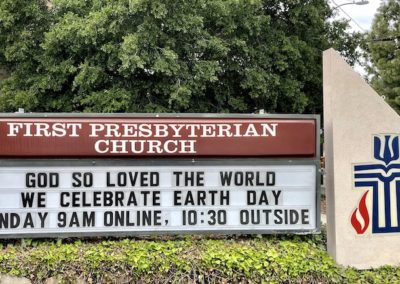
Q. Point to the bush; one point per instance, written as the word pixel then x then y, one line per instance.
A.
pixel 272 259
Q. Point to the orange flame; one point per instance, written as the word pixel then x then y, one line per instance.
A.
pixel 362 206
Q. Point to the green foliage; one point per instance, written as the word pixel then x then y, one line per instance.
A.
pixel 267 259
pixel 384 52
pixel 166 56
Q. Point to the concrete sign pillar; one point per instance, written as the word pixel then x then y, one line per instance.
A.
pixel 362 169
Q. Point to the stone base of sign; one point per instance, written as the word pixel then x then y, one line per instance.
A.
pixel 5 279
pixel 353 114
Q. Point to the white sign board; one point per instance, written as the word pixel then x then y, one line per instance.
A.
pixel 104 200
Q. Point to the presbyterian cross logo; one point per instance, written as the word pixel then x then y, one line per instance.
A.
pixel 383 182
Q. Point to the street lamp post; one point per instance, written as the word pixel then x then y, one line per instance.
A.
pixel 362 2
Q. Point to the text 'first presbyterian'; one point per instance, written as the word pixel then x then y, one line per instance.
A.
pixel 150 138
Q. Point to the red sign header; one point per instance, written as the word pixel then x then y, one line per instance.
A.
pixel 157 136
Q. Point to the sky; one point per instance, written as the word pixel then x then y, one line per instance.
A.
pixel 362 14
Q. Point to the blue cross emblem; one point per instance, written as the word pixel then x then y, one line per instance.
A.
pixel 383 178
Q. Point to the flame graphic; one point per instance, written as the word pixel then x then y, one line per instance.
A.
pixel 362 206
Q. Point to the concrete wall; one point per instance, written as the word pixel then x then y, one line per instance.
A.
pixel 354 114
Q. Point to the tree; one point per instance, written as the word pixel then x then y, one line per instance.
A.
pixel 167 56
pixel 384 52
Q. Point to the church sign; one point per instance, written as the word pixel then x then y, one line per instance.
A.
pixel 88 175
pixel 362 173
pixel 157 137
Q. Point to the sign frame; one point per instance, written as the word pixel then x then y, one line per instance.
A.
pixel 165 161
